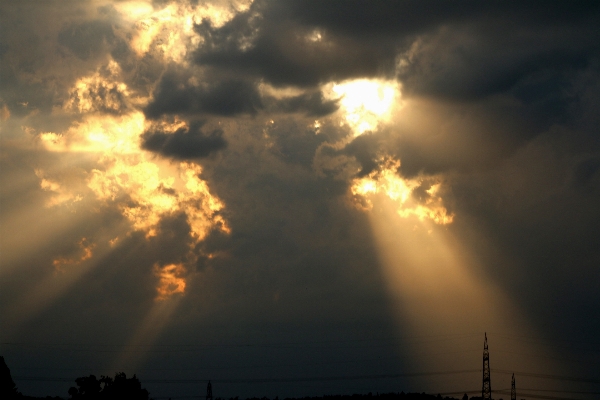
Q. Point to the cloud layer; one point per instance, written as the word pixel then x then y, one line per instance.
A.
pixel 306 179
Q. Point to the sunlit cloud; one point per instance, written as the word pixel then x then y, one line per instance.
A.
pixel 171 280
pixel 120 175
pixel 143 187
pixel 169 31
pixel 367 103
pixel 100 91
pixel 144 197
pixel 387 181
pixel 60 194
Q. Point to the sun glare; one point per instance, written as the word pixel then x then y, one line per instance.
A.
pixel 366 103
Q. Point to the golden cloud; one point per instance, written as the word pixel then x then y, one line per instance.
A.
pixel 386 181
pixel 169 31
pixel 171 280
pixel 118 173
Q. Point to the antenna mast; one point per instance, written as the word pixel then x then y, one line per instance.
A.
pixel 486 390
pixel 209 391
pixel 513 390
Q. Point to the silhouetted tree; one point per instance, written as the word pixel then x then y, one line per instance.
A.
pixel 8 389
pixel 88 387
pixel 105 388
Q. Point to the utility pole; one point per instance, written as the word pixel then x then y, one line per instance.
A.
pixel 486 390
pixel 209 391
pixel 513 390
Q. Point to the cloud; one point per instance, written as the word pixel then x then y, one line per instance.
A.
pixel 224 98
pixel 100 92
pixel 235 158
pixel 185 143
pixel 87 39
pixel 312 104
pixel 181 93
pixel 466 63
pixel 304 43
pixel 265 45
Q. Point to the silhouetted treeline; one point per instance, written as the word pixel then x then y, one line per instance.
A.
pixel 122 388
pixel 105 388
pixel 88 388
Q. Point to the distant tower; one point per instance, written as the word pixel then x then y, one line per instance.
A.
pixel 486 390
pixel 209 391
pixel 513 390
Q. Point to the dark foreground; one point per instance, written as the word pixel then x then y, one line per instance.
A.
pixel 121 387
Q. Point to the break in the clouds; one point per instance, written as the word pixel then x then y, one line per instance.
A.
pixel 260 191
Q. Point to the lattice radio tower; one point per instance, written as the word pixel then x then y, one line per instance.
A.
pixel 486 390
pixel 209 391
pixel 513 390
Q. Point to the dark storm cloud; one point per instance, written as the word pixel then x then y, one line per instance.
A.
pixel 272 41
pixel 381 17
pixel 229 97
pixel 226 98
pixel 311 104
pixel 260 44
pixel 365 149
pixel 294 140
pixel 468 64
pixel 184 143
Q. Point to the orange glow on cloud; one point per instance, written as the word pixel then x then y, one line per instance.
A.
pixel 387 181
pixel 144 187
pixel 92 92
pixel 171 280
pixel 170 31
pixel 367 105
pixel 86 250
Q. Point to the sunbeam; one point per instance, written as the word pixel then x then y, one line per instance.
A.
pixel 436 291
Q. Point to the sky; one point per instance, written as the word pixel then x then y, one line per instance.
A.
pixel 300 198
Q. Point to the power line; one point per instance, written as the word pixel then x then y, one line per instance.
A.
pixel 547 376
pixel 537 396
pixel 275 344
pixel 363 360
pixel 556 391
pixel 270 380
pixel 548 357
pixel 542 340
